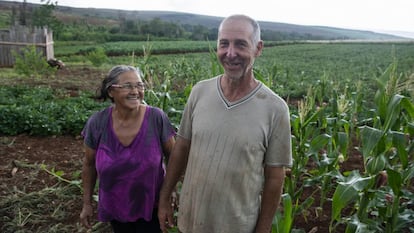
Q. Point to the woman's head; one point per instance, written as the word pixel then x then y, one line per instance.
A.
pixel 112 78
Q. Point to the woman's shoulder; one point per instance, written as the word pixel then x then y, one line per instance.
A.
pixel 154 110
pixel 104 111
pixel 96 123
pixel 101 114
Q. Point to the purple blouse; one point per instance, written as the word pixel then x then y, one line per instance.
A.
pixel 129 177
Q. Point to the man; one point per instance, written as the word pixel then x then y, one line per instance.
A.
pixel 233 143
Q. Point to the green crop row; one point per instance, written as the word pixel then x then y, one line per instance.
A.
pixel 326 132
pixel 43 111
pixel 126 48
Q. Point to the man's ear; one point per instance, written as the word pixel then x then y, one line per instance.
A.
pixel 259 48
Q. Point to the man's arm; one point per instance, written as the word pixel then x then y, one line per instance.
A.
pixel 167 147
pixel 272 191
pixel 175 168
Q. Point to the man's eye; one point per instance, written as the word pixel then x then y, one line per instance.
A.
pixel 241 44
pixel 223 44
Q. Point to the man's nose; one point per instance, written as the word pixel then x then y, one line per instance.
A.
pixel 231 52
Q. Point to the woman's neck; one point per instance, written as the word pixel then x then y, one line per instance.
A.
pixel 126 114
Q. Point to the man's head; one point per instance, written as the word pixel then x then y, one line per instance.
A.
pixel 238 45
pixel 253 23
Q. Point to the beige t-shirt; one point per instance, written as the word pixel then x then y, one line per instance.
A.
pixel 230 143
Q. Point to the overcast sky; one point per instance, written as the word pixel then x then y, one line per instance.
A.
pixel 375 15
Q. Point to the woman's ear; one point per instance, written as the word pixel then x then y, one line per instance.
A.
pixel 110 92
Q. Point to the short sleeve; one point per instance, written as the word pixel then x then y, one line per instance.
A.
pixel 94 127
pixel 279 152
pixel 185 130
pixel 165 127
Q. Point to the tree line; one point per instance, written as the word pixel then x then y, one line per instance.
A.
pixel 122 29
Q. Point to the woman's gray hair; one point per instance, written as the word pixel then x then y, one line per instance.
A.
pixel 113 78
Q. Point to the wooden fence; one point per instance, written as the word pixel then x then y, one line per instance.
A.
pixel 18 37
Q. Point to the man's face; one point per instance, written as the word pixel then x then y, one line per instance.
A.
pixel 235 48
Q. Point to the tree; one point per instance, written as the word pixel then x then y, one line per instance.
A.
pixel 43 16
pixel 199 32
pixel 23 14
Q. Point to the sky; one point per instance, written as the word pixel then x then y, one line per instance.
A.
pixel 396 16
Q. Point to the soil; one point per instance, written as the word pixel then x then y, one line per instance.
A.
pixel 22 156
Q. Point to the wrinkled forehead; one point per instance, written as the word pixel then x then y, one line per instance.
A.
pixel 129 76
pixel 235 28
pixel 237 24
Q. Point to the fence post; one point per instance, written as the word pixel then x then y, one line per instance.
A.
pixel 48 35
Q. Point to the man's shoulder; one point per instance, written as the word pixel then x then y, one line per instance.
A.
pixel 274 99
pixel 205 85
pixel 209 81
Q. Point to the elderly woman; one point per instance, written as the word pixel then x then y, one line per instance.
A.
pixel 125 146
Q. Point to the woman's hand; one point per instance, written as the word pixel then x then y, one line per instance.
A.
pixel 86 215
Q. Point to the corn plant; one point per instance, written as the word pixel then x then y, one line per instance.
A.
pixel 282 223
pixel 381 196
pixel 321 131
pixel 307 141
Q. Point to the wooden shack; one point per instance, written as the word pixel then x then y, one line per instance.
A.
pixel 18 37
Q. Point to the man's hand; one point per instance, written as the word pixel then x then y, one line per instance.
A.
pixel 165 215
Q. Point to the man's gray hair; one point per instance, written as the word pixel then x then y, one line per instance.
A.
pixel 256 27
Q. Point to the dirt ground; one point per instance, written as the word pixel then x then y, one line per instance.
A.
pixel 21 172
pixel 21 154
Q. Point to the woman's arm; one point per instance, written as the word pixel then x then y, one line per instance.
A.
pixel 89 180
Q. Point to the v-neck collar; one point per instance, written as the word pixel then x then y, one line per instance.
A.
pixel 140 132
pixel 230 104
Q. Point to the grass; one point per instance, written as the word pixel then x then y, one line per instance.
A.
pixel 28 210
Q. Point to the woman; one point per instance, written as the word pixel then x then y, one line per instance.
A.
pixel 124 147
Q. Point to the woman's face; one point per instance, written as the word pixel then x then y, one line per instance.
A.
pixel 129 91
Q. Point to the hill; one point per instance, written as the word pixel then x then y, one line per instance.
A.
pixel 308 32
pixel 270 30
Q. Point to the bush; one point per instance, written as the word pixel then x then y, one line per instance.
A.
pixel 97 57
pixel 37 111
pixel 31 63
